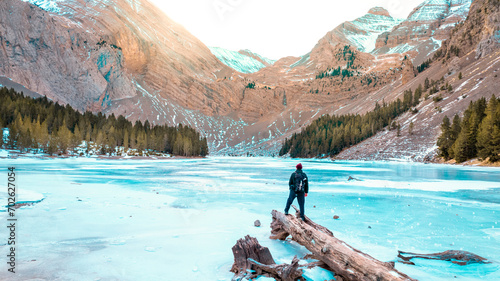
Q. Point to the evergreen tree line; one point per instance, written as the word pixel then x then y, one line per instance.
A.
pixel 476 134
pixel 52 128
pixel 332 72
pixel 329 135
pixel 424 65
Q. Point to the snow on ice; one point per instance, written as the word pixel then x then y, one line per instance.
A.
pixel 178 219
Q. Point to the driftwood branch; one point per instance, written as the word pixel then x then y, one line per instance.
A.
pixel 457 257
pixel 285 272
pixel 347 262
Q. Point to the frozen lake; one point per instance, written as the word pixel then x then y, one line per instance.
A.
pixel 178 219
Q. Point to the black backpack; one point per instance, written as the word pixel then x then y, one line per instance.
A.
pixel 300 182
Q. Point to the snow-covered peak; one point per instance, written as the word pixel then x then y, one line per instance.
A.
pixel 372 25
pixel 237 61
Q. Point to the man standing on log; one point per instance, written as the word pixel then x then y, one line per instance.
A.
pixel 299 187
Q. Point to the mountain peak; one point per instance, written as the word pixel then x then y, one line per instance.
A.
pixel 379 11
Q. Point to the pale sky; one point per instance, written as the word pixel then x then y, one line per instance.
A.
pixel 271 28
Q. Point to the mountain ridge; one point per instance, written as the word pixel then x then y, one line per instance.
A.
pixel 118 60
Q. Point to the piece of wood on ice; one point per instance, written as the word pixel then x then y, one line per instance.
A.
pixel 457 257
pixel 249 248
pixel 252 260
pixel 285 272
pixel 344 260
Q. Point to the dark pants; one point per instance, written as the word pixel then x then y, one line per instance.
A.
pixel 300 199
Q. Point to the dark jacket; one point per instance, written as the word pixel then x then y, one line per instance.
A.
pixel 291 182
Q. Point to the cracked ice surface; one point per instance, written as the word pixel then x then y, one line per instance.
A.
pixel 178 219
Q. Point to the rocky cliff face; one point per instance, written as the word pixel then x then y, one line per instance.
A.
pixel 480 33
pixel 93 53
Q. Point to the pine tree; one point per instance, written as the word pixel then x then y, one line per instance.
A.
pixel 445 140
pixel 52 146
pixel 99 142
pixel 204 147
pixel 64 137
pixel 426 84
pixel 26 140
pixel 187 146
pixel 111 140
pixel 485 139
pixel 495 141
pixel 456 127
pixel 465 145
pixel 44 136
pixel 125 140
pixel 418 95
pixel 178 145
pixel 76 138
pixel 133 139
pixel 410 128
pixel 141 141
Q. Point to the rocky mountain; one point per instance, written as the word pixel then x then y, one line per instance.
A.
pixel 362 32
pixel 126 57
pixel 95 53
pixel 243 61
pixel 265 61
pixel 122 57
pixel 469 61
pixel 424 29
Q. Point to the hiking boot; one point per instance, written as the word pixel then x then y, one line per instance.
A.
pixel 303 219
pixel 286 213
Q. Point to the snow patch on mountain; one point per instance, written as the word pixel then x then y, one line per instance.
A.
pixel 237 61
pixel 269 61
pixel 400 49
pixel 429 10
pixel 432 10
pixel 372 26
pixel 47 5
pixel 460 7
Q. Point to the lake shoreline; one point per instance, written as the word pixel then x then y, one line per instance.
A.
pixel 13 154
pixel 472 163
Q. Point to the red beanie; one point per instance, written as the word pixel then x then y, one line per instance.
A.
pixel 299 166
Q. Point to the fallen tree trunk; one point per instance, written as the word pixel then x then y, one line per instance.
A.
pixel 457 257
pixel 313 224
pixel 347 262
